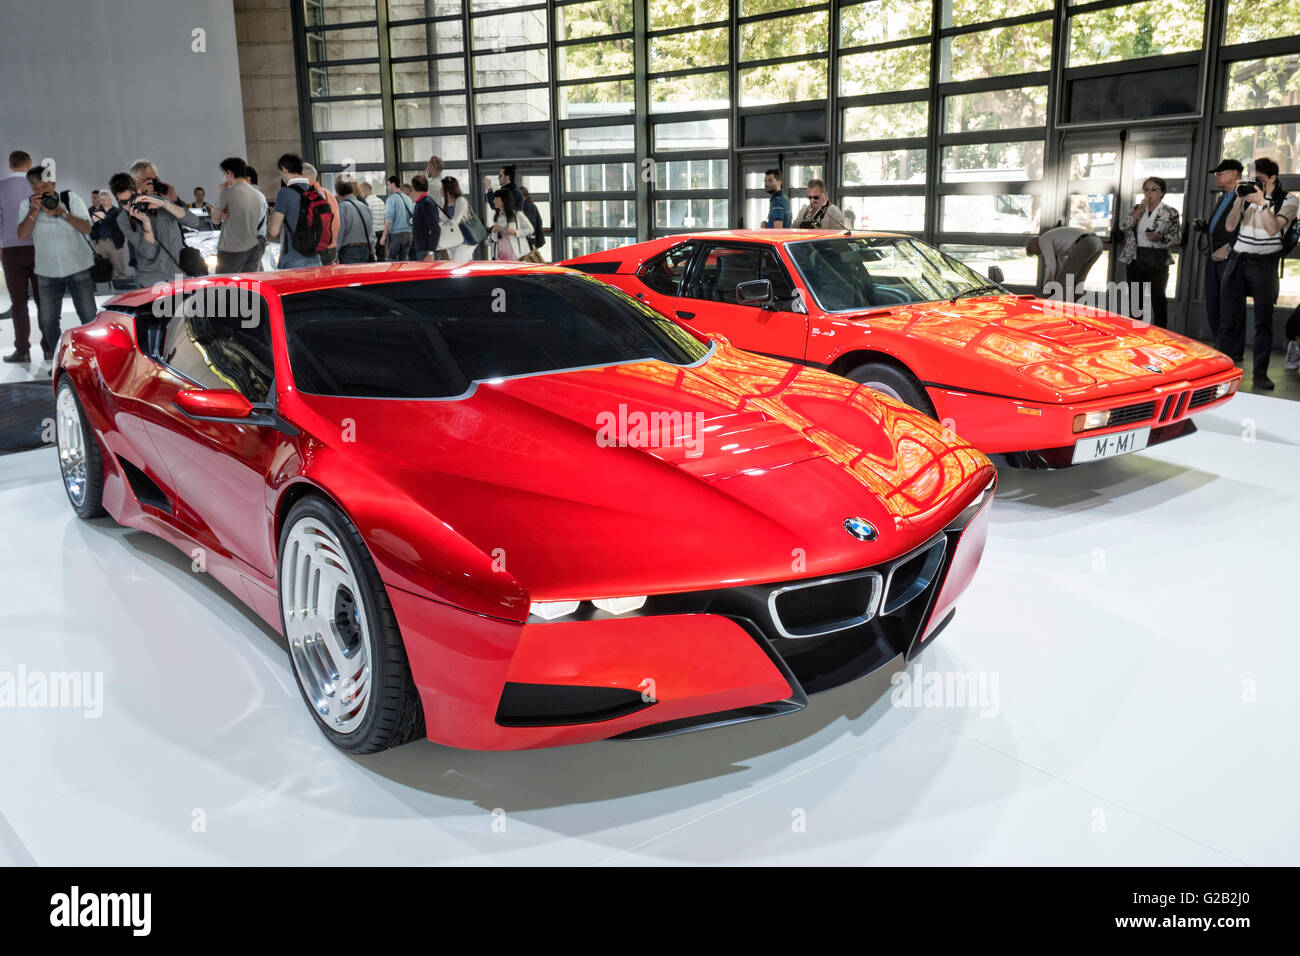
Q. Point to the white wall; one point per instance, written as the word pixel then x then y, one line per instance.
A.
pixel 97 84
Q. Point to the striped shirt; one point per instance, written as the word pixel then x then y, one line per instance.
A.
pixel 1254 239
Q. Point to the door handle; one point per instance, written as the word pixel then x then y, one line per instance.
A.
pixel 685 315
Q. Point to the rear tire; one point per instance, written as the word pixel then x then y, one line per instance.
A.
pixel 344 643
pixel 895 382
pixel 80 461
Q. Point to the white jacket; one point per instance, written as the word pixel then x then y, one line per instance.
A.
pixel 523 229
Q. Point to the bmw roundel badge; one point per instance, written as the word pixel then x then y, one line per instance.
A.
pixel 1153 368
pixel 860 528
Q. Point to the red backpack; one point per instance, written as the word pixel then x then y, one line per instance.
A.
pixel 315 227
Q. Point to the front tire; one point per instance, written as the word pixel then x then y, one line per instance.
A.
pixel 80 462
pixel 895 382
pixel 344 643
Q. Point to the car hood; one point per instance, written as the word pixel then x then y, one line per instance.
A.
pixel 1045 350
pixel 651 478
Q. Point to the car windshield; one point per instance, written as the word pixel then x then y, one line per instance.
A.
pixel 432 338
pixel 873 272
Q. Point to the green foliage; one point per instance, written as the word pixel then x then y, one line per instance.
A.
pixel 1251 20
pixel 1003 51
pixel 1151 28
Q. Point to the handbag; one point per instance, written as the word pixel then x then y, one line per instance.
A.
pixel 534 255
pixel 506 250
pixel 472 228
pixel 1151 259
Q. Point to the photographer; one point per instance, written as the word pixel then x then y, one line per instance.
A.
pixel 819 212
pixel 1261 213
pixel 58 226
pixel 1227 176
pixel 106 235
pixel 152 227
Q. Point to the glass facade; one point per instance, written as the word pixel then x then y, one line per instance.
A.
pixel 954 120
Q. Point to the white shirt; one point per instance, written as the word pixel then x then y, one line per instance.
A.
pixel 1147 223
pixel 61 250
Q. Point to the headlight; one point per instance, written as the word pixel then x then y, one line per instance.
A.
pixel 1086 421
pixel 550 610
pixel 554 610
pixel 1225 388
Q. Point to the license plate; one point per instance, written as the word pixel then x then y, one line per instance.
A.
pixel 1108 446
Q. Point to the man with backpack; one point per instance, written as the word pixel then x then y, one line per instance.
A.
pixel 302 219
pixel 58 225
pixel 398 210
pixel 1264 214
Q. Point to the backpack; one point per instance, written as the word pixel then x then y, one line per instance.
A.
pixel 315 227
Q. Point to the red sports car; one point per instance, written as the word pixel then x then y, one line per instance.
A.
pixel 1035 382
pixel 508 506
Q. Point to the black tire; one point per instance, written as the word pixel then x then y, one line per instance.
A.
pixel 92 499
pixel 394 715
pixel 894 382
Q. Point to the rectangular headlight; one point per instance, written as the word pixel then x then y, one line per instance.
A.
pixel 1085 421
pixel 1225 388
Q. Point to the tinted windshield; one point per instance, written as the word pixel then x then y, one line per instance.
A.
pixel 875 272
pixel 433 338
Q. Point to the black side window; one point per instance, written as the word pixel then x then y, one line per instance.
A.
pixel 218 337
pixel 722 269
pixel 664 273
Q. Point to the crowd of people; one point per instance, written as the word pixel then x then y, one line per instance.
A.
pixel 1252 227
pixel 132 235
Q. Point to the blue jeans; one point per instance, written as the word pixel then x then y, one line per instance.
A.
pixel 356 252
pixel 291 258
pixel 50 307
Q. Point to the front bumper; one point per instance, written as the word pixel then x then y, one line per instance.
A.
pixel 684 662
pixel 1028 434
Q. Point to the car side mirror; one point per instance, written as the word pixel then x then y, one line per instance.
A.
pixel 995 273
pixel 754 292
pixel 214 403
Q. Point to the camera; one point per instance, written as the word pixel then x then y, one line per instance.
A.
pixel 1248 186
pixel 49 201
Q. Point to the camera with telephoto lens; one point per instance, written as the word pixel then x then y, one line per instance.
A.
pixel 1248 186
pixel 49 200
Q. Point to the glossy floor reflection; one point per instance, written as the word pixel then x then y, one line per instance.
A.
pixel 1133 628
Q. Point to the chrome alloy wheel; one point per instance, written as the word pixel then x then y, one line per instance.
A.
pixel 72 445
pixel 325 624
pixel 886 390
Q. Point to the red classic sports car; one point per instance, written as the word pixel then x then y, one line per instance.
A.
pixel 508 506
pixel 1037 383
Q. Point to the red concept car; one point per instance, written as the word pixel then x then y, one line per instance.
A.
pixel 1035 382
pixel 508 506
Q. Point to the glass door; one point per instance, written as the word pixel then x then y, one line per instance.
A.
pixel 796 170
pixel 1103 175
pixel 534 177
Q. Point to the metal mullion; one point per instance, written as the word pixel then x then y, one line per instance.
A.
pixel 886 189
pixel 690 194
pixel 523 86
pixel 778 14
pixel 332 27
pixel 1104 5
pixel 886 45
pixel 930 217
pixel 688 71
pixel 587 41
pixel 689 28
pixel 1264 116
pixel 946 32
pixel 356 61
pixel 987 84
pixel 779 60
pixel 1159 62
pixel 977 137
pixel 520 48
pixel 881 99
pixel 429 58
pixel 344 134
pixel 884 145
pixel 423 21
pixel 1259 49
pixel 587 81
pixel 1017 239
